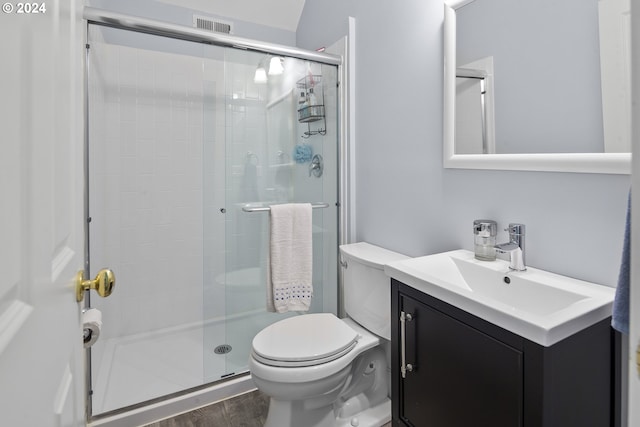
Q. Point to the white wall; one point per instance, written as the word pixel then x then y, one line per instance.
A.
pixel 406 201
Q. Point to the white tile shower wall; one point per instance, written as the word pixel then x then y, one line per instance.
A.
pixel 146 186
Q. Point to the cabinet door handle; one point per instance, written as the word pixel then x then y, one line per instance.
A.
pixel 404 367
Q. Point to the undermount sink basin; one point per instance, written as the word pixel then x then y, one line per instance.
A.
pixel 540 306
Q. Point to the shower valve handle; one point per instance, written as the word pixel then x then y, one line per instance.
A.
pixel 313 167
pixel 316 166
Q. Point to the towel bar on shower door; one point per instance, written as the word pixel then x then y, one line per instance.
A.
pixel 267 208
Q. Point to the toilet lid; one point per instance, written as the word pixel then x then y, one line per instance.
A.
pixel 305 340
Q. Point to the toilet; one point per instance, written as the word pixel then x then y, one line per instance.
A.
pixel 322 371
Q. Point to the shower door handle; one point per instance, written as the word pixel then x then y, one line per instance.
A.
pixel 103 283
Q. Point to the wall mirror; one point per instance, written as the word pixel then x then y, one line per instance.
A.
pixel 537 85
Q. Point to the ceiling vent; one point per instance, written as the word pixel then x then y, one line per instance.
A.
pixel 209 24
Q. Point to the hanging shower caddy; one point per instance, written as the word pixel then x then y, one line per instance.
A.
pixel 311 104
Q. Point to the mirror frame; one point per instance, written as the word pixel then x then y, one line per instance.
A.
pixel 608 163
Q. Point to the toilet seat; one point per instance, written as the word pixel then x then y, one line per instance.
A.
pixel 306 340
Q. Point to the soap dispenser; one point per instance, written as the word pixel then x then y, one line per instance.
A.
pixel 484 234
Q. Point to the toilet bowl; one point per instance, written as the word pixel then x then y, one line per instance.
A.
pixel 322 371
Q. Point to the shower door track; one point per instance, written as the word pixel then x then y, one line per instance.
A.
pixel 166 29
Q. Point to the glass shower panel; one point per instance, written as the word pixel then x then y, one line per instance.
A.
pixel 148 99
pixel 264 139
pixel 215 240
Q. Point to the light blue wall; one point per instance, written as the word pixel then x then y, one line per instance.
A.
pixel 323 23
pixel 406 201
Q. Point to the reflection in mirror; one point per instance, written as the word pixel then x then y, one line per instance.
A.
pixel 522 86
pixel 475 123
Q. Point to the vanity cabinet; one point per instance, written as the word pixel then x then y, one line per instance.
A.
pixel 465 371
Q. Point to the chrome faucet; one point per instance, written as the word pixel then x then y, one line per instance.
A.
pixel 515 247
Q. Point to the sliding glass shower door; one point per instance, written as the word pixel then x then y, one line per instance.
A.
pixel 182 144
pixel 265 136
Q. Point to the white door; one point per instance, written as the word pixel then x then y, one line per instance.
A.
pixel 41 209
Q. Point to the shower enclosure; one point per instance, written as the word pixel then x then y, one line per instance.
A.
pixel 187 149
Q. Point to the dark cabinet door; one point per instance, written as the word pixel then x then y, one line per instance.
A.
pixel 460 376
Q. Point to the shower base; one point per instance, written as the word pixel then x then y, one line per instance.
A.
pixel 142 367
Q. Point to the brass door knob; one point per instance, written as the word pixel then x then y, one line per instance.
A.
pixel 103 283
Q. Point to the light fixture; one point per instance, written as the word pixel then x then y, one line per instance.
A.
pixel 261 74
pixel 275 66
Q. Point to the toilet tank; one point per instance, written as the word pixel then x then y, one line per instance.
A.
pixel 367 289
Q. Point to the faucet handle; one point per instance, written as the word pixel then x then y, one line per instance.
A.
pixel 515 228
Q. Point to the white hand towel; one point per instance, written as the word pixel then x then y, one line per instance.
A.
pixel 290 286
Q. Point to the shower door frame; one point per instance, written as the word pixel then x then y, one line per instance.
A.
pixel 344 230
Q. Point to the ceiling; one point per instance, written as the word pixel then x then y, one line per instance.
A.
pixel 283 14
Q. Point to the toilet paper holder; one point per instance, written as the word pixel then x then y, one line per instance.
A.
pixel 103 283
pixel 92 325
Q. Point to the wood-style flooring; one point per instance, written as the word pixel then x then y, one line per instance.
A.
pixel 246 410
